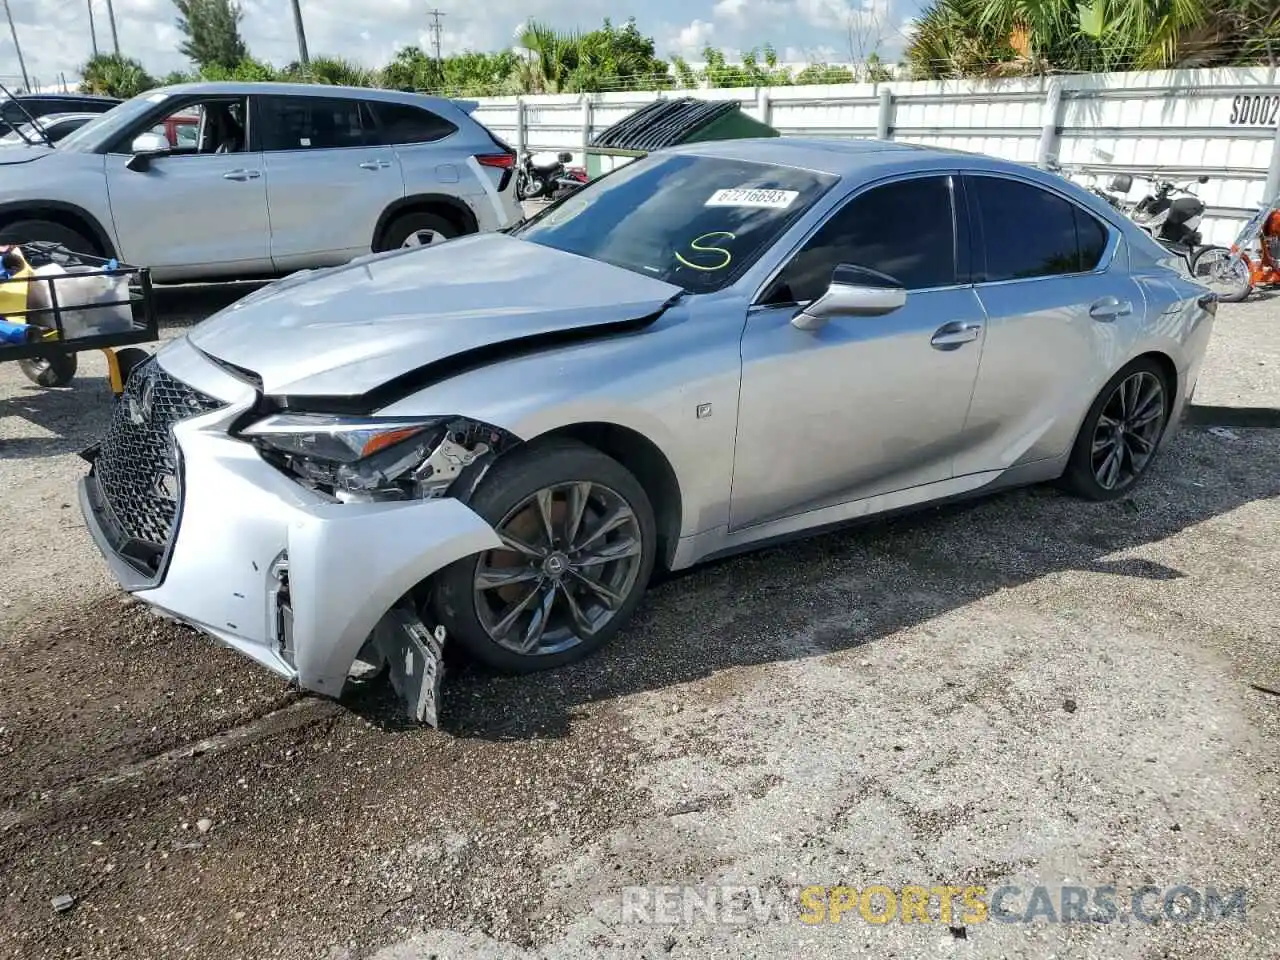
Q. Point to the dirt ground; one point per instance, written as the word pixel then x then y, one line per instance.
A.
pixel 1026 690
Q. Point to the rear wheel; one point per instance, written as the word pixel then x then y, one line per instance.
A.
pixel 418 230
pixel 1121 433
pixel 56 371
pixel 35 231
pixel 580 542
pixel 1226 274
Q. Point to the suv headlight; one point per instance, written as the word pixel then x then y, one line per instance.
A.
pixel 355 458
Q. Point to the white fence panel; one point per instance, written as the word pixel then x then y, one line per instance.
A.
pixel 1224 124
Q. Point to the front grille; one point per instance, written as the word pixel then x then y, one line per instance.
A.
pixel 136 464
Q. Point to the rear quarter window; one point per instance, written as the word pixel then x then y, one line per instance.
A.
pixel 399 123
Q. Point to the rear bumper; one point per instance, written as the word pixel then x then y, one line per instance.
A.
pixel 285 576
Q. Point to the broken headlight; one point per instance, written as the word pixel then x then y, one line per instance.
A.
pixel 367 458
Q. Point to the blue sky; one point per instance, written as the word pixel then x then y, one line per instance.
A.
pixel 55 33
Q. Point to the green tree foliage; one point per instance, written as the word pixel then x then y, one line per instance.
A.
pixel 759 68
pixel 1011 37
pixel 212 31
pixel 610 58
pixel 112 75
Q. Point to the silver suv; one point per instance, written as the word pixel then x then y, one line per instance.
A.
pixel 280 177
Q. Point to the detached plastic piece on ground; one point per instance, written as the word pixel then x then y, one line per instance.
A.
pixel 414 657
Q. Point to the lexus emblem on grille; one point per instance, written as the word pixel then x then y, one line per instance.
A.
pixel 140 406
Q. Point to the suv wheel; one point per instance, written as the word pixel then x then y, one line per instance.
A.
pixel 29 231
pixel 417 230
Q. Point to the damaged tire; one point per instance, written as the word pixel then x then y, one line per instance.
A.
pixel 580 541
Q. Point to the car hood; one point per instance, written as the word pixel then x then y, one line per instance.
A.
pixel 23 152
pixel 344 331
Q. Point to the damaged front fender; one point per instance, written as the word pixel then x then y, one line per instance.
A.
pixel 350 563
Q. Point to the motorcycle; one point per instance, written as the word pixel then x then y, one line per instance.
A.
pixel 1253 260
pixel 1170 214
pixel 538 175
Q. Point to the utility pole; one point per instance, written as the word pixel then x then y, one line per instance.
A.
pixel 302 36
pixel 111 15
pixel 93 34
pixel 435 16
pixel 22 65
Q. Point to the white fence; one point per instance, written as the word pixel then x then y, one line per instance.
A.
pixel 1179 124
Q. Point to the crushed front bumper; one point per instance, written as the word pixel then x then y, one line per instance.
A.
pixel 291 579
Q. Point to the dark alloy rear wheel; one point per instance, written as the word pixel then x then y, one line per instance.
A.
pixel 1121 433
pixel 579 544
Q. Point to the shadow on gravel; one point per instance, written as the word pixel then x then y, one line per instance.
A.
pixel 845 589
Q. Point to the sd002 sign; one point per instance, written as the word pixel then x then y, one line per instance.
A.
pixel 1251 109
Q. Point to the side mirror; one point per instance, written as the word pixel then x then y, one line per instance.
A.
pixel 144 147
pixel 854 292
pixel 565 157
pixel 1121 183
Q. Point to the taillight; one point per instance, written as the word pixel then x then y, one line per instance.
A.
pixel 505 161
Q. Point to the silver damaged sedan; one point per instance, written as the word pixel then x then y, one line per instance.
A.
pixel 496 441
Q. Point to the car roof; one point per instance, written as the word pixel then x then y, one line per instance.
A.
pixel 852 158
pixel 71 115
pixel 69 97
pixel 245 88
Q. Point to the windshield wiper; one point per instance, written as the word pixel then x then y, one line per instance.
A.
pixel 34 125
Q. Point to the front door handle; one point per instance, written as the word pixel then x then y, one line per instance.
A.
pixel 1109 308
pixel 375 164
pixel 953 335
pixel 241 175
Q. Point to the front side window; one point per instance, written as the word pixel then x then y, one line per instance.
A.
pixel 399 124
pixel 904 229
pixel 696 222
pixel 1027 231
pixel 311 123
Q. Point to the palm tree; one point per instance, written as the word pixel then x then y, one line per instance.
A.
pixel 115 76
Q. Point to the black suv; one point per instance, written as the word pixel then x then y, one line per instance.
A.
pixel 42 104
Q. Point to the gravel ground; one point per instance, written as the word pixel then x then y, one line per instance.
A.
pixel 1026 690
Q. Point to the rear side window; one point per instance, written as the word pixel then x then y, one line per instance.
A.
pixel 311 123
pixel 399 123
pixel 1028 232
pixel 904 229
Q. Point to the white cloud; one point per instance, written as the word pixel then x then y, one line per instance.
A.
pixel 691 39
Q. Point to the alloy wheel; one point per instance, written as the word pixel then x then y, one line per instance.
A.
pixel 1127 431
pixel 423 238
pixel 571 556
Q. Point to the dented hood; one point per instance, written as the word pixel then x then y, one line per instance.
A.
pixel 345 331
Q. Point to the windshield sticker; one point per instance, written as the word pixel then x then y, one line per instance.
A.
pixel 714 258
pixel 752 197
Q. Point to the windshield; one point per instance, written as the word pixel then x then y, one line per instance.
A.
pixel 23 133
pixel 105 127
pixel 696 222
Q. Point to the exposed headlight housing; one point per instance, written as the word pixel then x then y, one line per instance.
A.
pixel 370 458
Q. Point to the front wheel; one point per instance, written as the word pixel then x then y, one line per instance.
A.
pixel 55 371
pixel 1223 272
pixel 1121 433
pixel 579 541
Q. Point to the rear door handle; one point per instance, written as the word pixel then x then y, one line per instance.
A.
pixel 953 335
pixel 375 164
pixel 1109 308
pixel 241 175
